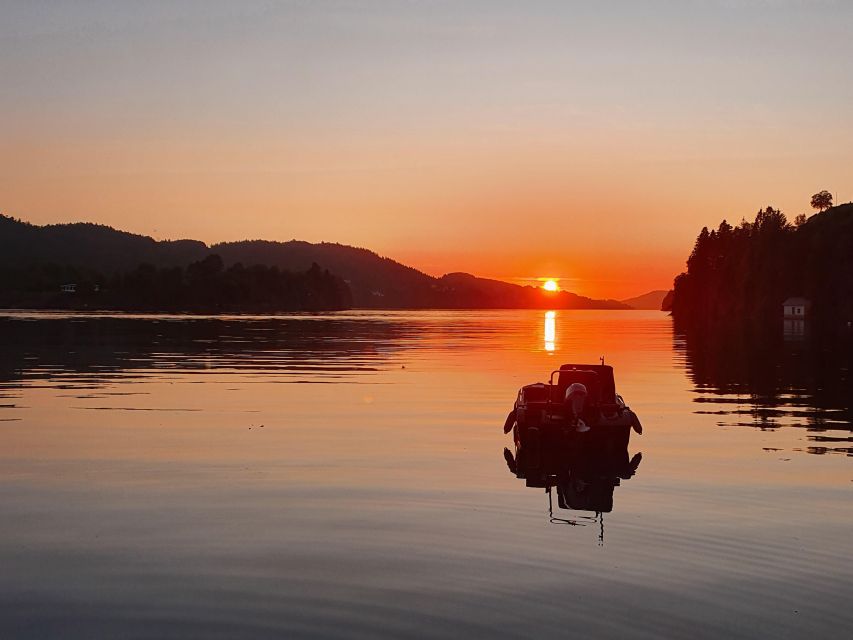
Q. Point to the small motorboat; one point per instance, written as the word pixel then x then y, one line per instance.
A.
pixel 578 403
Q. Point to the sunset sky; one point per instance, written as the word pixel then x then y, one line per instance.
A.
pixel 585 141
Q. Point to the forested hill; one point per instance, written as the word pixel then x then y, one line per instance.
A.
pixel 91 246
pixel 375 281
pixel 740 276
pixel 100 253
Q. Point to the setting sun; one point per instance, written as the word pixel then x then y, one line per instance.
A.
pixel 550 285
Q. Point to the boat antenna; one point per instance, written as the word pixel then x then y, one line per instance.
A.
pixel 550 504
pixel 602 360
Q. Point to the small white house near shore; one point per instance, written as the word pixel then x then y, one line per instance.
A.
pixel 796 308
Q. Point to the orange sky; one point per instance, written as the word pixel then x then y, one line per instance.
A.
pixel 510 141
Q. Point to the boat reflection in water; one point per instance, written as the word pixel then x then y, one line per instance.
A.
pixel 584 472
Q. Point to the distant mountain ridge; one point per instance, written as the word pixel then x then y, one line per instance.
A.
pixel 651 300
pixel 374 281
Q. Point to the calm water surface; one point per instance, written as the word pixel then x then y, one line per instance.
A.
pixel 343 476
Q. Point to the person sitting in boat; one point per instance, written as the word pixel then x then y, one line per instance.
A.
pixel 576 395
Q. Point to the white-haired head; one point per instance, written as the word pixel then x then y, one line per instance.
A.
pixel 576 395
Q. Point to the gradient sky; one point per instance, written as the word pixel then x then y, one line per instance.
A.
pixel 583 140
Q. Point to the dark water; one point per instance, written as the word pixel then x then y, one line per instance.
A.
pixel 344 476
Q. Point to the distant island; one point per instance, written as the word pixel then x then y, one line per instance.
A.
pixel 84 265
pixel 738 277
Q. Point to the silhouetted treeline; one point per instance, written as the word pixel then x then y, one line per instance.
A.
pixel 740 276
pixel 205 286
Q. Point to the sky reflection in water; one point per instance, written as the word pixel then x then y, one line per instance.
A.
pixel 343 475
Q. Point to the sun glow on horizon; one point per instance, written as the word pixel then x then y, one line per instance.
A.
pixel 550 285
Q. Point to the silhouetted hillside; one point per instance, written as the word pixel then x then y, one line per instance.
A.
pixel 91 246
pixel 464 290
pixel 740 276
pixel 92 253
pixel 651 300
pixel 374 281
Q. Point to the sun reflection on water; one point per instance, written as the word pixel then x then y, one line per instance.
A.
pixel 550 330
